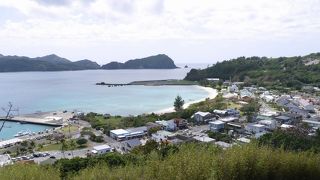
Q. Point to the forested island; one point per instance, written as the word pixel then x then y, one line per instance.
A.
pixel 292 72
pixel 55 63
pixel 160 61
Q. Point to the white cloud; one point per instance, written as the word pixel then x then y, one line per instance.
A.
pixel 70 24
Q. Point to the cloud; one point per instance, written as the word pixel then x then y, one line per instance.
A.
pixel 64 22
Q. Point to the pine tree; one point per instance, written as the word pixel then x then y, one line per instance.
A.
pixel 178 103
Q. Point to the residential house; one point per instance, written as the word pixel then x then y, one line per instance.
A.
pixel 269 124
pixel 201 116
pixel 246 95
pixel 216 126
pixel 128 145
pixel 169 125
pixel 204 139
pixel 255 128
pixel 283 119
pixel 233 88
pixel 181 123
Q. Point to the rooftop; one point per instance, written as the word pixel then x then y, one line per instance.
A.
pixel 119 131
pixel 101 147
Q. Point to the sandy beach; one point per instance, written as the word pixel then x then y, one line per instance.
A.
pixel 212 93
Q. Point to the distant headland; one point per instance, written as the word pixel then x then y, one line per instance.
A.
pixel 55 63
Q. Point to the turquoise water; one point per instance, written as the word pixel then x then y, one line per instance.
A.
pixel 12 128
pixel 76 90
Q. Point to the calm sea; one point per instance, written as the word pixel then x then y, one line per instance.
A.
pixel 76 90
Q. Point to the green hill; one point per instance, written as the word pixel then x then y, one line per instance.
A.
pixel 45 63
pixel 160 61
pixel 291 72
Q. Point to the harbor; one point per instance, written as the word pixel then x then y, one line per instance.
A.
pixel 32 125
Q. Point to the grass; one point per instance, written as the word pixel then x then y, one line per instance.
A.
pixel 73 128
pixel 51 147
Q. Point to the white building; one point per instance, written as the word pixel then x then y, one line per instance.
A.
pixel 101 149
pixel 119 134
pixel 161 136
pixel 5 159
pixel 233 88
pixel 204 139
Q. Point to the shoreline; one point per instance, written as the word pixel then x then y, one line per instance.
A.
pixel 212 93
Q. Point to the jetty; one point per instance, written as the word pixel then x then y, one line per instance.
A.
pixel 166 82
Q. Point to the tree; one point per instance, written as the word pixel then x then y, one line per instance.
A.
pixel 8 114
pixel 81 141
pixel 178 103
pixel 72 145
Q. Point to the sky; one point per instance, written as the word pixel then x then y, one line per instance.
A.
pixel 189 31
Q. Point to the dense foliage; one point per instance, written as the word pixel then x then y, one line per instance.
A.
pixel 190 161
pixel 292 72
pixel 160 61
pixel 296 139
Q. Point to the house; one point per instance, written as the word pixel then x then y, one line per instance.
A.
pixel 246 95
pixel 243 140
pixel 299 112
pixel 269 124
pixel 181 123
pixel 201 116
pixel 169 125
pixel 286 126
pixel 232 112
pixel 128 145
pixel 283 119
pixel 229 119
pixel 216 126
pixel 267 96
pixel 312 123
pixel 214 80
pixel 5 159
pixel 255 128
pixel 204 139
pixel 151 125
pixel 283 100
pixel 220 113
pixel 235 127
pixel 233 88
pixel 101 149
pixel 162 135
pixel 222 144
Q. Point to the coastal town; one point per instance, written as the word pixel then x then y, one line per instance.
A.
pixel 237 115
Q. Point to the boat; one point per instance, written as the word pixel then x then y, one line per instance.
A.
pixel 22 133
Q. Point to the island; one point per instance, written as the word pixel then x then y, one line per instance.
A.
pixel 160 61
pixel 46 63
pixel 55 63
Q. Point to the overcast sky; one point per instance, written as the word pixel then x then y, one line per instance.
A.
pixel 191 31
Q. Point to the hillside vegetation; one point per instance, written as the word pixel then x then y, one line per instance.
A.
pixel 45 63
pixel 188 161
pixel 160 61
pixel 292 72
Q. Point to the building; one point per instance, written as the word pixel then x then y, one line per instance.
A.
pixel 229 119
pixel 214 80
pixel 169 125
pixel 222 144
pixel 128 145
pixel 5 159
pixel 101 149
pixel 161 136
pixel 131 133
pixel 233 88
pixel 283 119
pixel 312 123
pixel 269 124
pixel 216 126
pixel 204 139
pixel 255 128
pixel 201 116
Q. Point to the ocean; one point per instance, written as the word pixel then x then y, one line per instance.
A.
pixel 76 91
